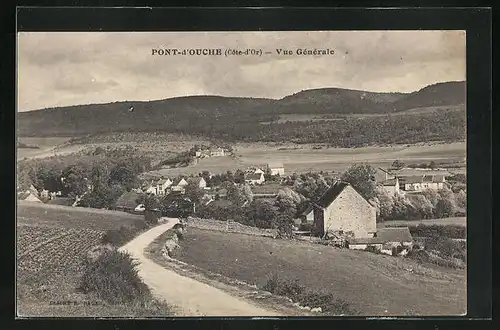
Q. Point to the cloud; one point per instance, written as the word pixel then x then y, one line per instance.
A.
pixel 63 68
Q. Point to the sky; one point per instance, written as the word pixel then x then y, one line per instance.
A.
pixel 70 68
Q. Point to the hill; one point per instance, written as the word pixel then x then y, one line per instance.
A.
pixel 234 118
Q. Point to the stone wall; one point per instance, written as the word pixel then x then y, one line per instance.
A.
pixel 234 227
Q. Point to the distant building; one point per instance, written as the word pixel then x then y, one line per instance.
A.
pixel 422 182
pixel 382 175
pixel 128 201
pixel 179 185
pixel 343 211
pixel 307 215
pixel 217 152
pixel 386 240
pixel 28 196
pixel 198 181
pixel 255 178
pixel 162 185
pixel 390 186
pixel 276 169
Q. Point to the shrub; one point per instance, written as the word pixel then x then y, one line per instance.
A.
pixel 372 248
pixel 450 231
pixel 298 293
pixel 113 277
pixel 118 237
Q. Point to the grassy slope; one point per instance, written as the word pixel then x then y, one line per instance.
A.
pixel 57 277
pixel 371 283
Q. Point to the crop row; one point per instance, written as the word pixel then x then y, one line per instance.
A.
pixel 62 254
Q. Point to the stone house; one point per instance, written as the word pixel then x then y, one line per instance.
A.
pixel 343 211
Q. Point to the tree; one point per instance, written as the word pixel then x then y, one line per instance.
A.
pixel 423 206
pixel 194 192
pixel 239 176
pixel 74 180
pixel 397 164
pixel 444 208
pixel 124 174
pixel 385 204
pixel 362 179
pixel 461 199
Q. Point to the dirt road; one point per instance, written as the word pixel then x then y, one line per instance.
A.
pixel 190 297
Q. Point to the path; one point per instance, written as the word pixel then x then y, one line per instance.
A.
pixel 193 298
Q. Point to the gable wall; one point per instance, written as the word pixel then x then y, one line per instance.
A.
pixel 351 212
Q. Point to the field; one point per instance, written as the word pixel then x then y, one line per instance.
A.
pixel 52 243
pixel 72 217
pixel 317 117
pixel 46 146
pixel 458 221
pixel 303 158
pixel 373 284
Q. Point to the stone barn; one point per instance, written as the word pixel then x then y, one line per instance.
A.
pixel 342 210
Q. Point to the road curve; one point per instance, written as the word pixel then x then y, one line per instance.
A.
pixel 190 297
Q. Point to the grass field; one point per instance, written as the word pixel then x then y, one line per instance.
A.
pixel 305 158
pixel 46 146
pixel 458 221
pixel 52 243
pixel 317 117
pixel 373 284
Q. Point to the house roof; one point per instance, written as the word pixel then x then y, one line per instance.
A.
pixel 177 181
pixel 412 179
pixel 394 234
pixel 195 180
pixel 128 199
pixel 270 188
pixel 220 203
pixel 307 210
pixel 29 197
pixel 332 193
pixel 390 182
pixel 253 176
pixel 385 235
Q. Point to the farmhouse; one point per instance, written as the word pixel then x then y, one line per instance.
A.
pixel 218 152
pixel 179 185
pixel 254 178
pixel 342 210
pixel 390 186
pixel 198 181
pixel 307 215
pixel 422 182
pixel 276 169
pixel 386 240
pixel 382 175
pixel 128 201
pixel 28 196
pixel 162 185
pixel 210 152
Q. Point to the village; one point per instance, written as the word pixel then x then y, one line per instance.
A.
pixel 336 210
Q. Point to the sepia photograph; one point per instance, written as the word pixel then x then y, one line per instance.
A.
pixel 243 173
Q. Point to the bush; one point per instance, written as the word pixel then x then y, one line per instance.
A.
pixel 298 293
pixel 450 231
pixel 118 237
pixel 113 277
